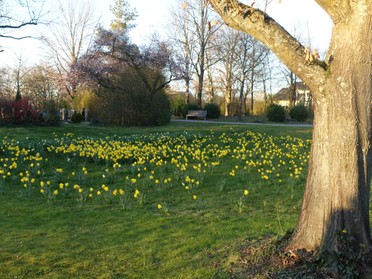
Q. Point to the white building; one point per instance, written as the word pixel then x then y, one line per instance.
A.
pixel 298 94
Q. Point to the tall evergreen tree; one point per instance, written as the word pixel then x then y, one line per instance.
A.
pixel 124 16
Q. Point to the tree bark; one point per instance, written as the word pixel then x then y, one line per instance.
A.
pixel 199 100
pixel 336 198
pixel 241 98
pixel 338 185
pixel 228 98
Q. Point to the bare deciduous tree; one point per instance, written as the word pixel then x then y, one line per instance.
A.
pixel 241 66
pixel 182 38
pixel 17 73
pixel 337 193
pixel 243 77
pixel 40 87
pixel 228 42
pixel 68 37
pixel 200 26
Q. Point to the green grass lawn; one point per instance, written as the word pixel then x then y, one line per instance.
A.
pixel 166 202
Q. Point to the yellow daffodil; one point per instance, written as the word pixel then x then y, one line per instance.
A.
pixel 136 193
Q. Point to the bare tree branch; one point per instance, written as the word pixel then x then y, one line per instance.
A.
pixel 69 36
pixel 10 21
pixel 18 26
pixel 16 38
pixel 265 29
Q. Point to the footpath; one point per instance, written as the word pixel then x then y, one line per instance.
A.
pixel 244 123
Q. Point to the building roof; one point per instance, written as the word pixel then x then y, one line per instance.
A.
pixel 175 93
pixel 285 93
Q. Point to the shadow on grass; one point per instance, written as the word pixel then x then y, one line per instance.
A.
pixel 266 258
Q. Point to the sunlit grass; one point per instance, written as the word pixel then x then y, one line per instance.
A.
pixel 98 202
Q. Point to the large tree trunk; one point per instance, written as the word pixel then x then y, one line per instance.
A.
pixel 211 87
pixel 187 99
pixel 337 193
pixel 228 90
pixel 241 98
pixel 199 101
pixel 228 99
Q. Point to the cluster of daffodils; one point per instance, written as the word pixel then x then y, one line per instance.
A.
pixel 129 170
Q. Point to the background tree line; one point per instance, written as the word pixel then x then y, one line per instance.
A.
pixel 89 66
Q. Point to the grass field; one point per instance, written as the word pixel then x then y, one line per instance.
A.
pixel 177 201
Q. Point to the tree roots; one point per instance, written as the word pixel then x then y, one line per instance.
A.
pixel 267 258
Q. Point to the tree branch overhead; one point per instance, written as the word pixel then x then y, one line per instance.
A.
pixel 265 29
pixel 18 26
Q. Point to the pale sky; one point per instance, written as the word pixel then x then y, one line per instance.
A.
pixel 303 17
pixel 312 25
pixel 306 19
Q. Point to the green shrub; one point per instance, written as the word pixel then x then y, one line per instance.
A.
pixel 275 113
pixel 184 108
pixel 52 108
pixel 161 114
pixel 140 108
pixel 300 113
pixel 77 118
pixel 176 103
pixel 213 111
